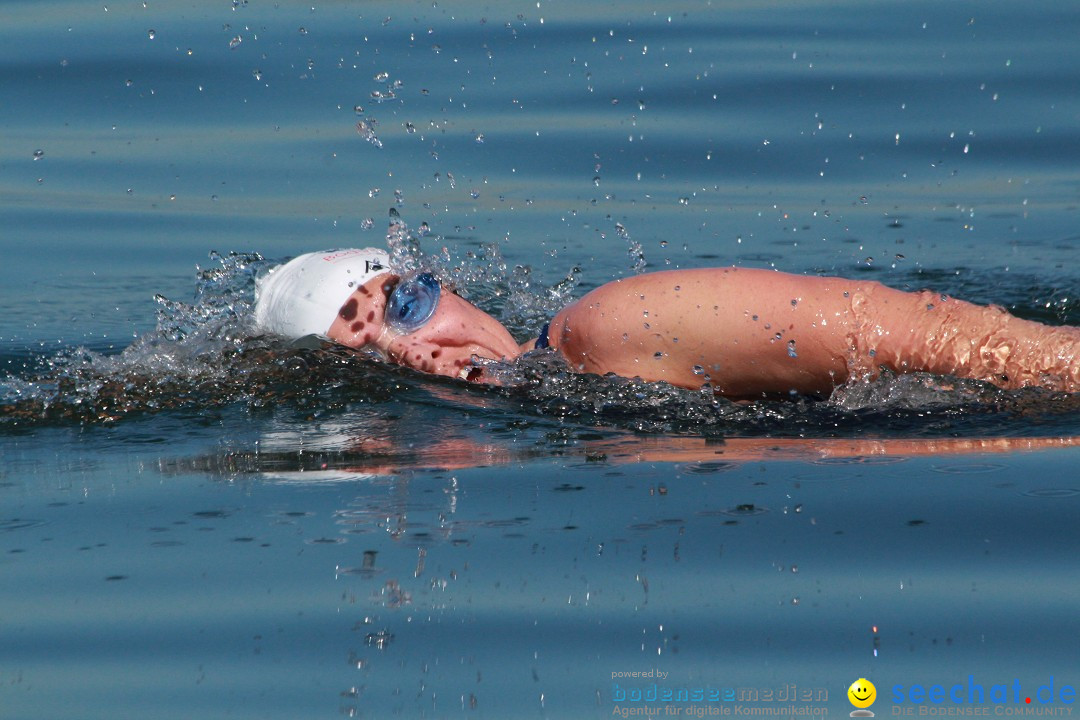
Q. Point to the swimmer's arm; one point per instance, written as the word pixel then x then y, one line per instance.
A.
pixel 748 332
pixel 752 332
pixel 932 332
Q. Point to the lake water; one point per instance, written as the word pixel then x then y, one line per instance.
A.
pixel 197 522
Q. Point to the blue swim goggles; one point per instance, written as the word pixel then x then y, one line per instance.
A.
pixel 413 302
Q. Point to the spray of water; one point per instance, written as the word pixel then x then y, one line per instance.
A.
pixel 205 353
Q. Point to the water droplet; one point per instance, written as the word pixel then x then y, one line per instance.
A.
pixel 794 302
pixel 480 139
pixel 791 349
pixel 367 223
pixel 235 42
pixel 381 76
pixel 698 370
pixel 366 130
pixel 658 355
pixel 151 34
pixel 358 109
pixel 257 74
pixel 38 154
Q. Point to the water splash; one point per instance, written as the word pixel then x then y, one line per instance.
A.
pixel 366 129
pixel 634 249
pixel 204 354
pixel 512 294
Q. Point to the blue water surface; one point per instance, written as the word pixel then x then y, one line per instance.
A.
pixel 193 522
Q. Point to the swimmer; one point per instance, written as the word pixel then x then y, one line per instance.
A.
pixel 750 333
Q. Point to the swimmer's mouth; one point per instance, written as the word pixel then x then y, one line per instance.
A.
pixel 471 373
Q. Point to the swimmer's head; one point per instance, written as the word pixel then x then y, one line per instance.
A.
pixel 303 296
pixel 353 298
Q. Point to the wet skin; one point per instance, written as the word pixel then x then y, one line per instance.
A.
pixel 444 345
pixel 749 332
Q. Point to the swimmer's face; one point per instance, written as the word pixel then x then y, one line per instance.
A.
pixel 427 330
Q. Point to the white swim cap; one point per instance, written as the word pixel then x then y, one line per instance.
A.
pixel 303 296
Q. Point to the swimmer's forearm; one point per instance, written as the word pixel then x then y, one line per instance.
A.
pixel 927 331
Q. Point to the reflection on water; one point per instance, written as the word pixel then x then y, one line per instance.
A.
pixel 326 582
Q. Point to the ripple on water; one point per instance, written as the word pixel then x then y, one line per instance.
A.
pixel 740 510
pixel 1052 493
pixel 13 524
pixel 860 460
pixel 707 467
pixel 967 468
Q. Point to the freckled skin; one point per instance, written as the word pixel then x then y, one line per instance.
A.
pixel 751 333
pixel 443 346
pixel 348 310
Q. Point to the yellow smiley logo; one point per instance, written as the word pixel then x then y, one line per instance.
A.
pixel 862 693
